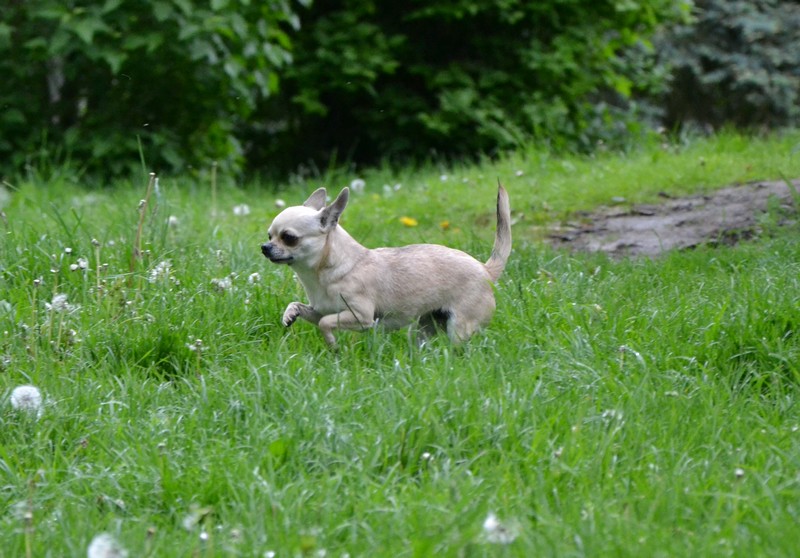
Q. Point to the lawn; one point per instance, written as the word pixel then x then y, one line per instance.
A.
pixel 612 408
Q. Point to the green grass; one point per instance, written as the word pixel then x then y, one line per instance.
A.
pixel 631 408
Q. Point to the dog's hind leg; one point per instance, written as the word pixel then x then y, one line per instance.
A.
pixel 464 321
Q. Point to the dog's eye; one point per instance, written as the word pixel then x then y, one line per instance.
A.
pixel 269 236
pixel 289 239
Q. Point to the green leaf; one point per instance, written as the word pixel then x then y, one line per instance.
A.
pixel 86 28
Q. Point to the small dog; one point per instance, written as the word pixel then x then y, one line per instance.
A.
pixel 352 287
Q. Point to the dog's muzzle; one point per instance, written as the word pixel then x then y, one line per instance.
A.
pixel 269 252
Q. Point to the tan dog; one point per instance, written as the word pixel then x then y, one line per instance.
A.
pixel 352 287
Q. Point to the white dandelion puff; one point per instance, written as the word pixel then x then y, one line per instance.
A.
pixel 738 472
pixel 173 221
pixel 105 546
pixel 280 204
pixel 27 399
pixel 496 532
pixel 254 278
pixel 60 303
pixel 241 210
pixel 357 185
pixel 83 263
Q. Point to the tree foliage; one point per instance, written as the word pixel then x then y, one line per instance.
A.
pixel 737 62
pixel 94 80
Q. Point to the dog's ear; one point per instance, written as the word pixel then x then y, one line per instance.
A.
pixel 330 215
pixel 317 199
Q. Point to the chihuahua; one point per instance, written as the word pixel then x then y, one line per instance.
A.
pixel 352 287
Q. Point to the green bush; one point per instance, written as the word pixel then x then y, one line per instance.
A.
pixel 379 80
pixel 88 81
pixel 737 62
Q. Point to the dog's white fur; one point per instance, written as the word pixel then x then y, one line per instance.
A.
pixel 352 287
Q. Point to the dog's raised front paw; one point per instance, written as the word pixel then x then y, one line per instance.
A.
pixel 291 313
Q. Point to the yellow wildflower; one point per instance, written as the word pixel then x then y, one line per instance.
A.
pixel 409 221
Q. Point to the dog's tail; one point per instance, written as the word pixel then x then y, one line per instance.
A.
pixel 502 240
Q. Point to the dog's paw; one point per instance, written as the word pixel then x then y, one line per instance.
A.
pixel 291 314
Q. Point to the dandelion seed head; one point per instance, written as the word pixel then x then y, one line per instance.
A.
pixel 173 221
pixel 60 303
pixel 27 399
pixel 254 278
pixel 280 204
pixel 73 267
pixel 496 532
pixel 241 210
pixel 357 185
pixel 68 250
pixel 738 472
pixel 105 546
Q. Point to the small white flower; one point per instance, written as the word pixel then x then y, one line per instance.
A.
pixel 241 210
pixel 495 532
pixel 444 178
pixel 738 472
pixel 254 278
pixel 358 185
pixel 83 263
pixel 160 271
pixel 222 284
pixel 280 204
pixel 105 546
pixel 172 221
pixel 68 250
pixel 519 173
pixel 73 267
pixel 27 399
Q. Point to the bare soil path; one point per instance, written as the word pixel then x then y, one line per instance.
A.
pixel 724 216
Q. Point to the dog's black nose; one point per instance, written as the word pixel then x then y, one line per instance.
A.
pixel 266 249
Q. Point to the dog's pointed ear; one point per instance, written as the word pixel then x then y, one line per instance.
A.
pixel 317 199
pixel 330 215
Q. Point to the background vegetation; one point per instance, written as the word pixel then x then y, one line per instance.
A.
pixel 280 86
pixel 626 408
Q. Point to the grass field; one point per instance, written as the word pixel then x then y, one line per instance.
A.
pixel 630 408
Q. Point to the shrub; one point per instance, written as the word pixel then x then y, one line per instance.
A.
pixel 87 80
pixel 377 80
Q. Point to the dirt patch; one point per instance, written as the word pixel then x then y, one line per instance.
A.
pixel 724 216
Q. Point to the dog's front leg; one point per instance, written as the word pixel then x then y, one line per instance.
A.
pixel 343 320
pixel 299 310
